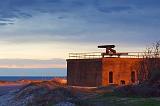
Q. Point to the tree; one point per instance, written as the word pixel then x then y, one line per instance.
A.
pixel 149 67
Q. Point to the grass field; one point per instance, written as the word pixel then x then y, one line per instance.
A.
pixel 117 100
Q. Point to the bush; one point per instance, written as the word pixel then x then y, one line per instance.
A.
pixel 141 90
pixel 155 76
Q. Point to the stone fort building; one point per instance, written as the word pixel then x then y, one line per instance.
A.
pixel 102 69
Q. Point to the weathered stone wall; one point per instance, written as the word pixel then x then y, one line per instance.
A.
pixel 121 68
pixel 84 72
pixel 95 72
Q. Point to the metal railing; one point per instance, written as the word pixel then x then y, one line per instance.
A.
pixel 90 55
pixel 95 55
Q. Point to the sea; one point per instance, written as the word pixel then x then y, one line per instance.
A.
pixel 14 74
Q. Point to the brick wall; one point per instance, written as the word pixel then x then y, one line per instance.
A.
pixel 95 72
pixel 121 68
pixel 84 72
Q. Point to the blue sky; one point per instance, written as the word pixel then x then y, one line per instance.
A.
pixel 49 29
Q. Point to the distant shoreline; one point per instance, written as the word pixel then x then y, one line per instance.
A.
pixel 17 78
pixel 36 72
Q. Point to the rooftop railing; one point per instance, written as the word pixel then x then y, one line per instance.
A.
pixel 95 55
pixel 90 55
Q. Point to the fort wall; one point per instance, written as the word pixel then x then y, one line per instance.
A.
pixel 95 72
pixel 84 72
pixel 124 70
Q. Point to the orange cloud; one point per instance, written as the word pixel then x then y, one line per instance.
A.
pixel 35 66
pixel 31 63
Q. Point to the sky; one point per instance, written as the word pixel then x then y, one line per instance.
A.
pixel 41 33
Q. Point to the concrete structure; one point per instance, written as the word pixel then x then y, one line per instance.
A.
pixel 103 69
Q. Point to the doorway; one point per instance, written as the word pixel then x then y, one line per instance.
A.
pixel 110 77
pixel 123 82
pixel 133 76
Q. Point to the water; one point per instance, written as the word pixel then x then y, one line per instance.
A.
pixel 13 74
pixel 15 78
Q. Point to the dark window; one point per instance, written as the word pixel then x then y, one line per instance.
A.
pixel 122 82
pixel 133 77
pixel 110 77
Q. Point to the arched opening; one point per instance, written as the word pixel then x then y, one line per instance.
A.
pixel 123 82
pixel 133 76
pixel 110 77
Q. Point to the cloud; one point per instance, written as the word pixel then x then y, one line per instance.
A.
pixel 31 21
pixel 115 9
pixel 3 23
pixel 32 63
